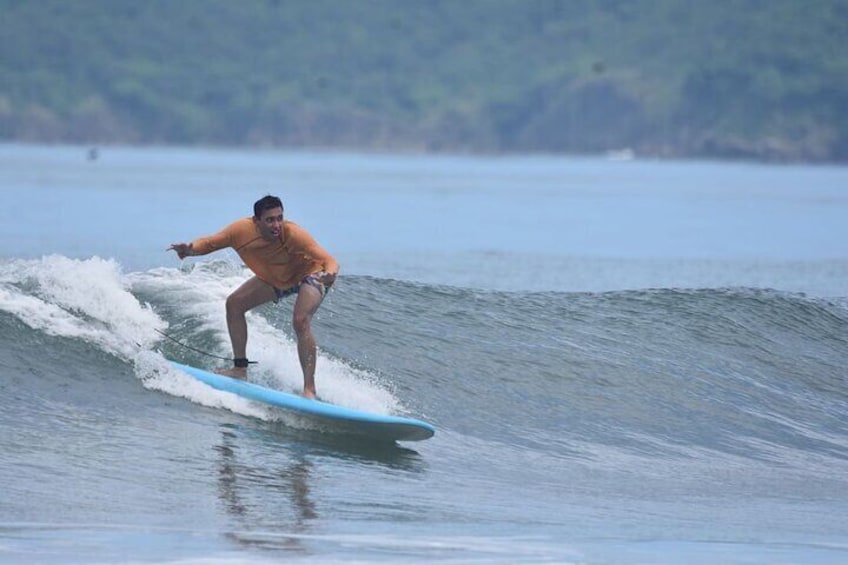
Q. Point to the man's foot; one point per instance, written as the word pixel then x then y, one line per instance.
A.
pixel 309 394
pixel 234 372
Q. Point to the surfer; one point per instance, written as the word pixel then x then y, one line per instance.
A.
pixel 285 260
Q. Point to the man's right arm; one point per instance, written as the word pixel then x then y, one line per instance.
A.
pixel 204 245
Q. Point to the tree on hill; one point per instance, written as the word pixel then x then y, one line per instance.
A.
pixel 733 78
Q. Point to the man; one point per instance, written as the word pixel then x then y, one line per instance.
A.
pixel 285 260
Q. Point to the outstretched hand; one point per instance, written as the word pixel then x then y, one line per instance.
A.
pixel 183 249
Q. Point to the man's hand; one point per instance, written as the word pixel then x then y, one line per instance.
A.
pixel 183 249
pixel 327 279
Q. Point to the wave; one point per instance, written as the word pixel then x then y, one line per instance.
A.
pixel 673 373
pixel 659 372
pixel 124 315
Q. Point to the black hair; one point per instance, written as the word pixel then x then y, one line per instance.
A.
pixel 266 203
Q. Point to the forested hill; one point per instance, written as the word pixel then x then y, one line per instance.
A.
pixel 762 79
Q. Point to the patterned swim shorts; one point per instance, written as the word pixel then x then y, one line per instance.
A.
pixel 312 280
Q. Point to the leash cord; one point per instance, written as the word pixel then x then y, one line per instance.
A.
pixel 198 350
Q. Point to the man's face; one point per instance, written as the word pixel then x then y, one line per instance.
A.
pixel 270 223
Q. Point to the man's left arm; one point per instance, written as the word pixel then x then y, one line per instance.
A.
pixel 311 248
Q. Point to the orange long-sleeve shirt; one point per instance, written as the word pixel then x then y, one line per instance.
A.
pixel 282 262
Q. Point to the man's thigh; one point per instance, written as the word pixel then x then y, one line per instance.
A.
pixel 253 293
pixel 308 300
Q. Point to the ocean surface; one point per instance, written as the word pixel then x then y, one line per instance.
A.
pixel 626 361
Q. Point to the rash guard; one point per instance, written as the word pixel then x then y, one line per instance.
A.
pixel 282 262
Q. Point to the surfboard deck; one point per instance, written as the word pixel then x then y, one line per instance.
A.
pixel 338 419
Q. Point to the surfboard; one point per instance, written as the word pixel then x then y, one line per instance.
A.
pixel 334 418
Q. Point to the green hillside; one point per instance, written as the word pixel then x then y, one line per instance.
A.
pixel 764 79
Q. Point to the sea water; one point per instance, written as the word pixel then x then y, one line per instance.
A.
pixel 626 362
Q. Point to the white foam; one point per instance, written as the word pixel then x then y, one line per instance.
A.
pixel 93 300
pixel 84 299
pixel 156 373
pixel 199 294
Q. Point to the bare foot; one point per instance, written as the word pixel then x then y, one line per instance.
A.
pixel 309 394
pixel 234 372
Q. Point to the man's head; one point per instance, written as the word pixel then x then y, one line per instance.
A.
pixel 266 203
pixel 268 216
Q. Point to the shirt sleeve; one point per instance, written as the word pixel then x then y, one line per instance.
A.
pixel 307 246
pixel 208 244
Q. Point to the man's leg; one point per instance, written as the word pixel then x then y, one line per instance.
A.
pixel 248 296
pixel 308 300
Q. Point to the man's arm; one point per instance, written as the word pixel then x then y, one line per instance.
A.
pixel 204 245
pixel 311 248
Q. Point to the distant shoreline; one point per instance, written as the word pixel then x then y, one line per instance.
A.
pixel 765 152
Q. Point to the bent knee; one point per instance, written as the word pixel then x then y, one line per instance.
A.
pixel 301 323
pixel 235 305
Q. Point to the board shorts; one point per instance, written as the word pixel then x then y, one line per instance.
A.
pixel 312 280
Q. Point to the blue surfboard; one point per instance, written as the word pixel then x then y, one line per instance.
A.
pixel 338 419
